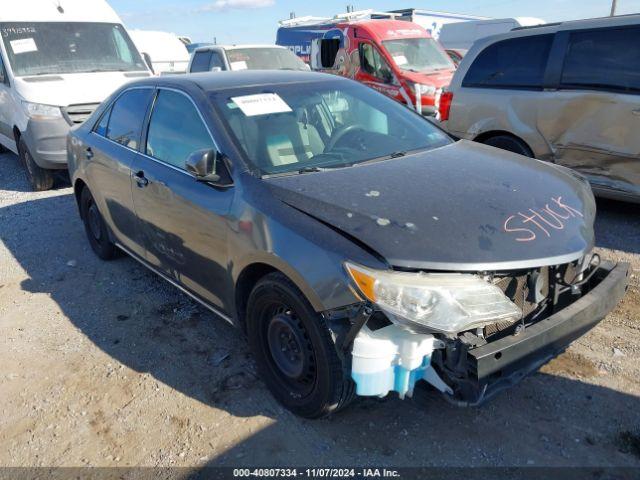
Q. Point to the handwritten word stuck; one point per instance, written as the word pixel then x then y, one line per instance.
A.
pixel 529 225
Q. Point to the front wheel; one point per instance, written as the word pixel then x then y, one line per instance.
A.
pixel 509 143
pixel 294 351
pixel 39 178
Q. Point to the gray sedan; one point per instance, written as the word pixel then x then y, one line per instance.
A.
pixel 359 247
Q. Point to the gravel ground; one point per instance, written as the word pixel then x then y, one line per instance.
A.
pixel 105 364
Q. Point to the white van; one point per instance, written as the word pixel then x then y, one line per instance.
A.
pixel 461 35
pixel 59 60
pixel 164 52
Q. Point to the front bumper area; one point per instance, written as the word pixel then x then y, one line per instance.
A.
pixel 504 362
pixel 47 142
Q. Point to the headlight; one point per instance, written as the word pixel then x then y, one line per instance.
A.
pixel 39 111
pixel 442 302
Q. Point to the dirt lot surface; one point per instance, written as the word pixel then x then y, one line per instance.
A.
pixel 105 364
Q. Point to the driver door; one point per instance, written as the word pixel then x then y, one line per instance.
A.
pixel 183 221
pixel 375 71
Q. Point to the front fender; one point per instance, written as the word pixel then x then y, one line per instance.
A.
pixel 310 253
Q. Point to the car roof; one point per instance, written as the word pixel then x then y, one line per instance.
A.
pixel 549 28
pixel 206 48
pixel 212 81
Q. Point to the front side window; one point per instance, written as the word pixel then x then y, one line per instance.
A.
pixel 373 63
pixel 514 63
pixel 176 129
pixel 264 59
pixel 40 48
pixel 418 54
pixel 200 62
pixel 285 128
pixel 603 59
pixel 127 117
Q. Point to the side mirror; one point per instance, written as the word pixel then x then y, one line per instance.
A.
pixel 206 166
pixel 216 69
pixel 147 59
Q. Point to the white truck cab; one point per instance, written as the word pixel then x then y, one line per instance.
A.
pixel 58 60
pixel 217 58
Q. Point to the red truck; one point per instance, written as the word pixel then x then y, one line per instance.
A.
pixel 395 57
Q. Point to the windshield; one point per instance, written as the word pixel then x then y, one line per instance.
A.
pixel 418 54
pixel 264 59
pixel 303 126
pixel 59 47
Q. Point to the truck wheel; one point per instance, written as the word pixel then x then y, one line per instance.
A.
pixel 39 178
pixel 294 351
pixel 509 143
pixel 95 227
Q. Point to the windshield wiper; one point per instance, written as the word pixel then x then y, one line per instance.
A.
pixel 397 154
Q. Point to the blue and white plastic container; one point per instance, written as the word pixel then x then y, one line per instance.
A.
pixel 393 359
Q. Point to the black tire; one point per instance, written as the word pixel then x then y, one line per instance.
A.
pixel 95 227
pixel 509 143
pixel 305 376
pixel 39 178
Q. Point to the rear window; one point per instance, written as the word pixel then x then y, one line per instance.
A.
pixel 127 117
pixel 514 63
pixel 200 62
pixel 603 59
pixel 264 58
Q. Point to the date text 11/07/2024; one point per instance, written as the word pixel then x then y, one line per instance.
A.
pixel 316 472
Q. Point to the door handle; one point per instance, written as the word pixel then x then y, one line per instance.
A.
pixel 141 180
pixel 88 153
pixel 636 112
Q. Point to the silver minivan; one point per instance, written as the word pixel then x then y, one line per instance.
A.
pixel 567 93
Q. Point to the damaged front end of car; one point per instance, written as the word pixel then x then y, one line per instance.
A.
pixel 471 335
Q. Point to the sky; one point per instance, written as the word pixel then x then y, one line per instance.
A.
pixel 256 21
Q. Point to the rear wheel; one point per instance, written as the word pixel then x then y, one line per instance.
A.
pixel 295 354
pixel 39 178
pixel 509 143
pixel 95 227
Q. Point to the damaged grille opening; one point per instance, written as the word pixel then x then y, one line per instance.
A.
pixel 540 293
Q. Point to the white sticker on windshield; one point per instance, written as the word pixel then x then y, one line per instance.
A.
pixel 241 65
pixel 261 104
pixel 24 45
pixel 400 60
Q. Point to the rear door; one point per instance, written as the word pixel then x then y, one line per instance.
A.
pixel 593 120
pixel 115 140
pixel 183 221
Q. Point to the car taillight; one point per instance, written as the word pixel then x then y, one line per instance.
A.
pixel 444 105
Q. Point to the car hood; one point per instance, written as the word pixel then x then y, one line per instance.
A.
pixel 463 207
pixel 68 89
pixel 438 79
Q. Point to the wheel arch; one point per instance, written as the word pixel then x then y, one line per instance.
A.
pixel 252 272
pixel 78 186
pixel 483 137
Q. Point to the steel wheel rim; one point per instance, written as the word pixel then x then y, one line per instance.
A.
pixel 94 221
pixel 295 367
